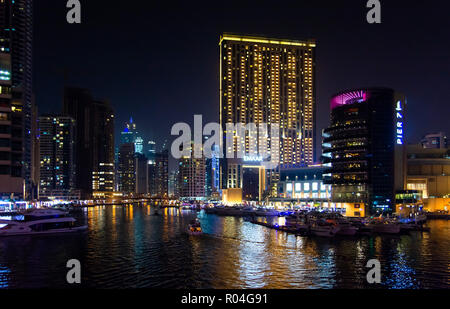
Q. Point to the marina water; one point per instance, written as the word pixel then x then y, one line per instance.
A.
pixel 130 247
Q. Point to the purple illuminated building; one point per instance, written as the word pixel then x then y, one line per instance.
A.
pixel 364 147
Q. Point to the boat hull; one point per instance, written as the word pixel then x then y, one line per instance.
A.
pixel 52 232
pixel 347 231
pixel 325 231
pixel 195 233
pixel 391 229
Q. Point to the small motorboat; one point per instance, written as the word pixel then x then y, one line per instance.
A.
pixel 195 228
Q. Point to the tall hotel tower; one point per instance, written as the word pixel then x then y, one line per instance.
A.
pixel 269 81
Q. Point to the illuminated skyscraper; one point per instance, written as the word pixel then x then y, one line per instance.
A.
pixel 103 152
pixel 11 136
pixel 127 169
pixel 16 39
pixel 158 174
pixel 131 135
pixel 365 147
pixel 57 156
pixel 268 81
pixel 94 141
pixel 191 177
pixel 151 149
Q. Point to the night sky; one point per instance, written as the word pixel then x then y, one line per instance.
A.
pixel 158 61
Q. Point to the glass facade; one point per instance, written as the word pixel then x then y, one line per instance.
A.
pixel 365 147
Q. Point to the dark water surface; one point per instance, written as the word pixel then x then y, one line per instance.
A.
pixel 128 247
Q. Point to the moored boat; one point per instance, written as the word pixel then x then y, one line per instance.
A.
pixel 385 227
pixel 346 229
pixel 40 222
pixel 266 212
pixel 322 228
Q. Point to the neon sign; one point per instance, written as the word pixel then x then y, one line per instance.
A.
pixel 399 127
pixel 253 159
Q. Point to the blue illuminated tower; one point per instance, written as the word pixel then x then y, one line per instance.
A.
pixel 130 135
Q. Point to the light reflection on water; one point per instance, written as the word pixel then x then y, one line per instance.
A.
pixel 131 247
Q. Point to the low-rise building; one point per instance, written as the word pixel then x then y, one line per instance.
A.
pixel 429 174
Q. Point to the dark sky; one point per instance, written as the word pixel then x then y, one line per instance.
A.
pixel 158 61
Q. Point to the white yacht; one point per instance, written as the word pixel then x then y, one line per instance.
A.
pixel 39 222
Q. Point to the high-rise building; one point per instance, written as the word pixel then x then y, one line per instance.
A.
pixel 141 174
pixel 151 148
pixel 212 178
pixel 94 141
pixel 78 105
pixel 365 145
pixel 11 136
pixel 57 156
pixel 16 39
pixel 272 81
pixel 103 150
pixel 191 177
pixel 435 141
pixel 131 135
pixel 35 153
pixel 173 184
pixel 127 169
pixel 158 174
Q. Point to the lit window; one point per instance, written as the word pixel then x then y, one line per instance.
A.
pixel 289 187
pixel 306 186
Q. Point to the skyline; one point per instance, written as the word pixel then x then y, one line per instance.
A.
pixel 182 72
pixel 247 146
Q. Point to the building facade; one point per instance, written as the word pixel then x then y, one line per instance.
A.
pixel 94 142
pixel 268 81
pixel 16 39
pixel 365 146
pixel 11 136
pixel 429 174
pixel 57 156
pixel 212 177
pixel 304 186
pixel 158 174
pixel 174 184
pixel 103 149
pixel 191 177
pixel 127 169
pixel 435 141
pixel 141 174
pixel 78 105
pixel 131 135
